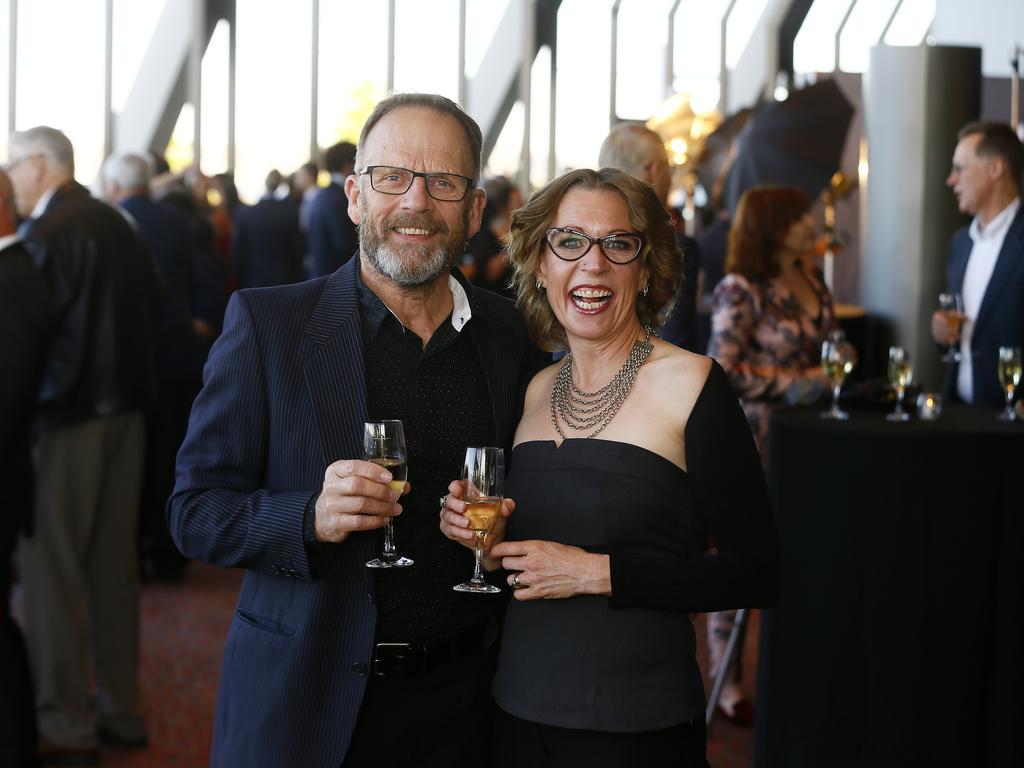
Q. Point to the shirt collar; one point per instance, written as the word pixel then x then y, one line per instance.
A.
pixel 999 224
pixel 375 311
pixel 8 240
pixel 461 312
pixel 339 179
pixel 42 202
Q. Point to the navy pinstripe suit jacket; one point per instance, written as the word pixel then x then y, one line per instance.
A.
pixel 284 395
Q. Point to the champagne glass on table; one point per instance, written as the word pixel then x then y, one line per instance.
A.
pixel 901 373
pixel 1009 378
pixel 838 358
pixel 484 475
pixel 952 306
pixel 384 445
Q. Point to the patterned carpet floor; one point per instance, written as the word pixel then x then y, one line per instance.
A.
pixel 183 631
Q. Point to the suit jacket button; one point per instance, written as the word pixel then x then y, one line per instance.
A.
pixel 360 669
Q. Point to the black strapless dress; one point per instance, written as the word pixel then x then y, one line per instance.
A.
pixel 580 662
pixel 626 663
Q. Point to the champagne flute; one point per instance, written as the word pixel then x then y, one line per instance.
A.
pixel 952 305
pixel 1009 378
pixel 901 373
pixel 838 357
pixel 384 445
pixel 484 474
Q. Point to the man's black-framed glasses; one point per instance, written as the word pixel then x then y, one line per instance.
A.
pixel 572 245
pixel 392 180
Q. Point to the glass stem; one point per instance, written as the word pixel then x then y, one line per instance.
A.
pixel 478 551
pixel 835 396
pixel 390 553
pixel 1010 414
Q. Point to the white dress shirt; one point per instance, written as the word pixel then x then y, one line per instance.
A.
pixel 980 265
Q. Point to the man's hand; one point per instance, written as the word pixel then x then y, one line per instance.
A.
pixel 550 570
pixel 355 497
pixel 455 524
pixel 946 329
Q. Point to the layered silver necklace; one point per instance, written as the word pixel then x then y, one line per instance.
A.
pixel 583 411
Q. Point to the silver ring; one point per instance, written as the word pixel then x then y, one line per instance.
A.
pixel 515 581
pixel 444 501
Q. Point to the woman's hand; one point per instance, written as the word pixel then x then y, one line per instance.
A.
pixel 549 570
pixel 455 524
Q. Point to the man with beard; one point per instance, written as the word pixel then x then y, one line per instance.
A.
pixel 327 659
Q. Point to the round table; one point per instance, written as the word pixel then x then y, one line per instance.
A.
pixel 898 638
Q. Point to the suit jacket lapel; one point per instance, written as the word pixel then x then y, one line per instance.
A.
pixel 500 370
pixel 1010 257
pixel 335 376
pixel 333 366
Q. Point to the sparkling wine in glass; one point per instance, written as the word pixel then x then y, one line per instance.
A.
pixel 901 374
pixel 1009 378
pixel 952 305
pixel 838 357
pixel 384 444
pixel 484 475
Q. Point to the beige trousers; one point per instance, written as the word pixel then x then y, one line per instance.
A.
pixel 80 575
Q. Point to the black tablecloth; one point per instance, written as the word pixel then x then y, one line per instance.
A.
pixel 898 639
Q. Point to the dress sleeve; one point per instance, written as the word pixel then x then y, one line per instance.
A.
pixel 755 372
pixel 732 497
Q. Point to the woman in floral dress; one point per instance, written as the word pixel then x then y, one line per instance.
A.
pixel 770 314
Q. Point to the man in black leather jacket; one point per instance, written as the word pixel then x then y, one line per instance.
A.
pixel 99 377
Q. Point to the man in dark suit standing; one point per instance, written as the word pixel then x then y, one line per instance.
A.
pixel 332 233
pixel 267 246
pixel 182 344
pixel 639 151
pixel 325 657
pixel 23 346
pixel 79 567
pixel 986 260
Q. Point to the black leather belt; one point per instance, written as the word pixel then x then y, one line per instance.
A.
pixel 408 660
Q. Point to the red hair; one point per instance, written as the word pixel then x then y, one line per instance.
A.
pixel 763 218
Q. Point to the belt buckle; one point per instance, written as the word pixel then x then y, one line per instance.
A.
pixel 397 659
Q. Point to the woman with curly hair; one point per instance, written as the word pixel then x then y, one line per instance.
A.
pixel 630 454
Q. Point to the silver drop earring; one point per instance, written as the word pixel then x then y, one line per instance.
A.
pixel 646 289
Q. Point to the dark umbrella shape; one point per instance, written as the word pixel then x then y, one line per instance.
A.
pixel 797 142
pixel 717 155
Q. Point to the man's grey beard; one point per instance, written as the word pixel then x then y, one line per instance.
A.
pixel 415 266
pixel 409 273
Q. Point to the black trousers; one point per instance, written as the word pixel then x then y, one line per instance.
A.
pixel 441 719
pixel 520 743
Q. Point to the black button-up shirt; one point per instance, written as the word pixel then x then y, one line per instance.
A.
pixel 440 394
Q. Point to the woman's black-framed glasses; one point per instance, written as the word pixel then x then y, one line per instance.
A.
pixel 392 180
pixel 572 245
